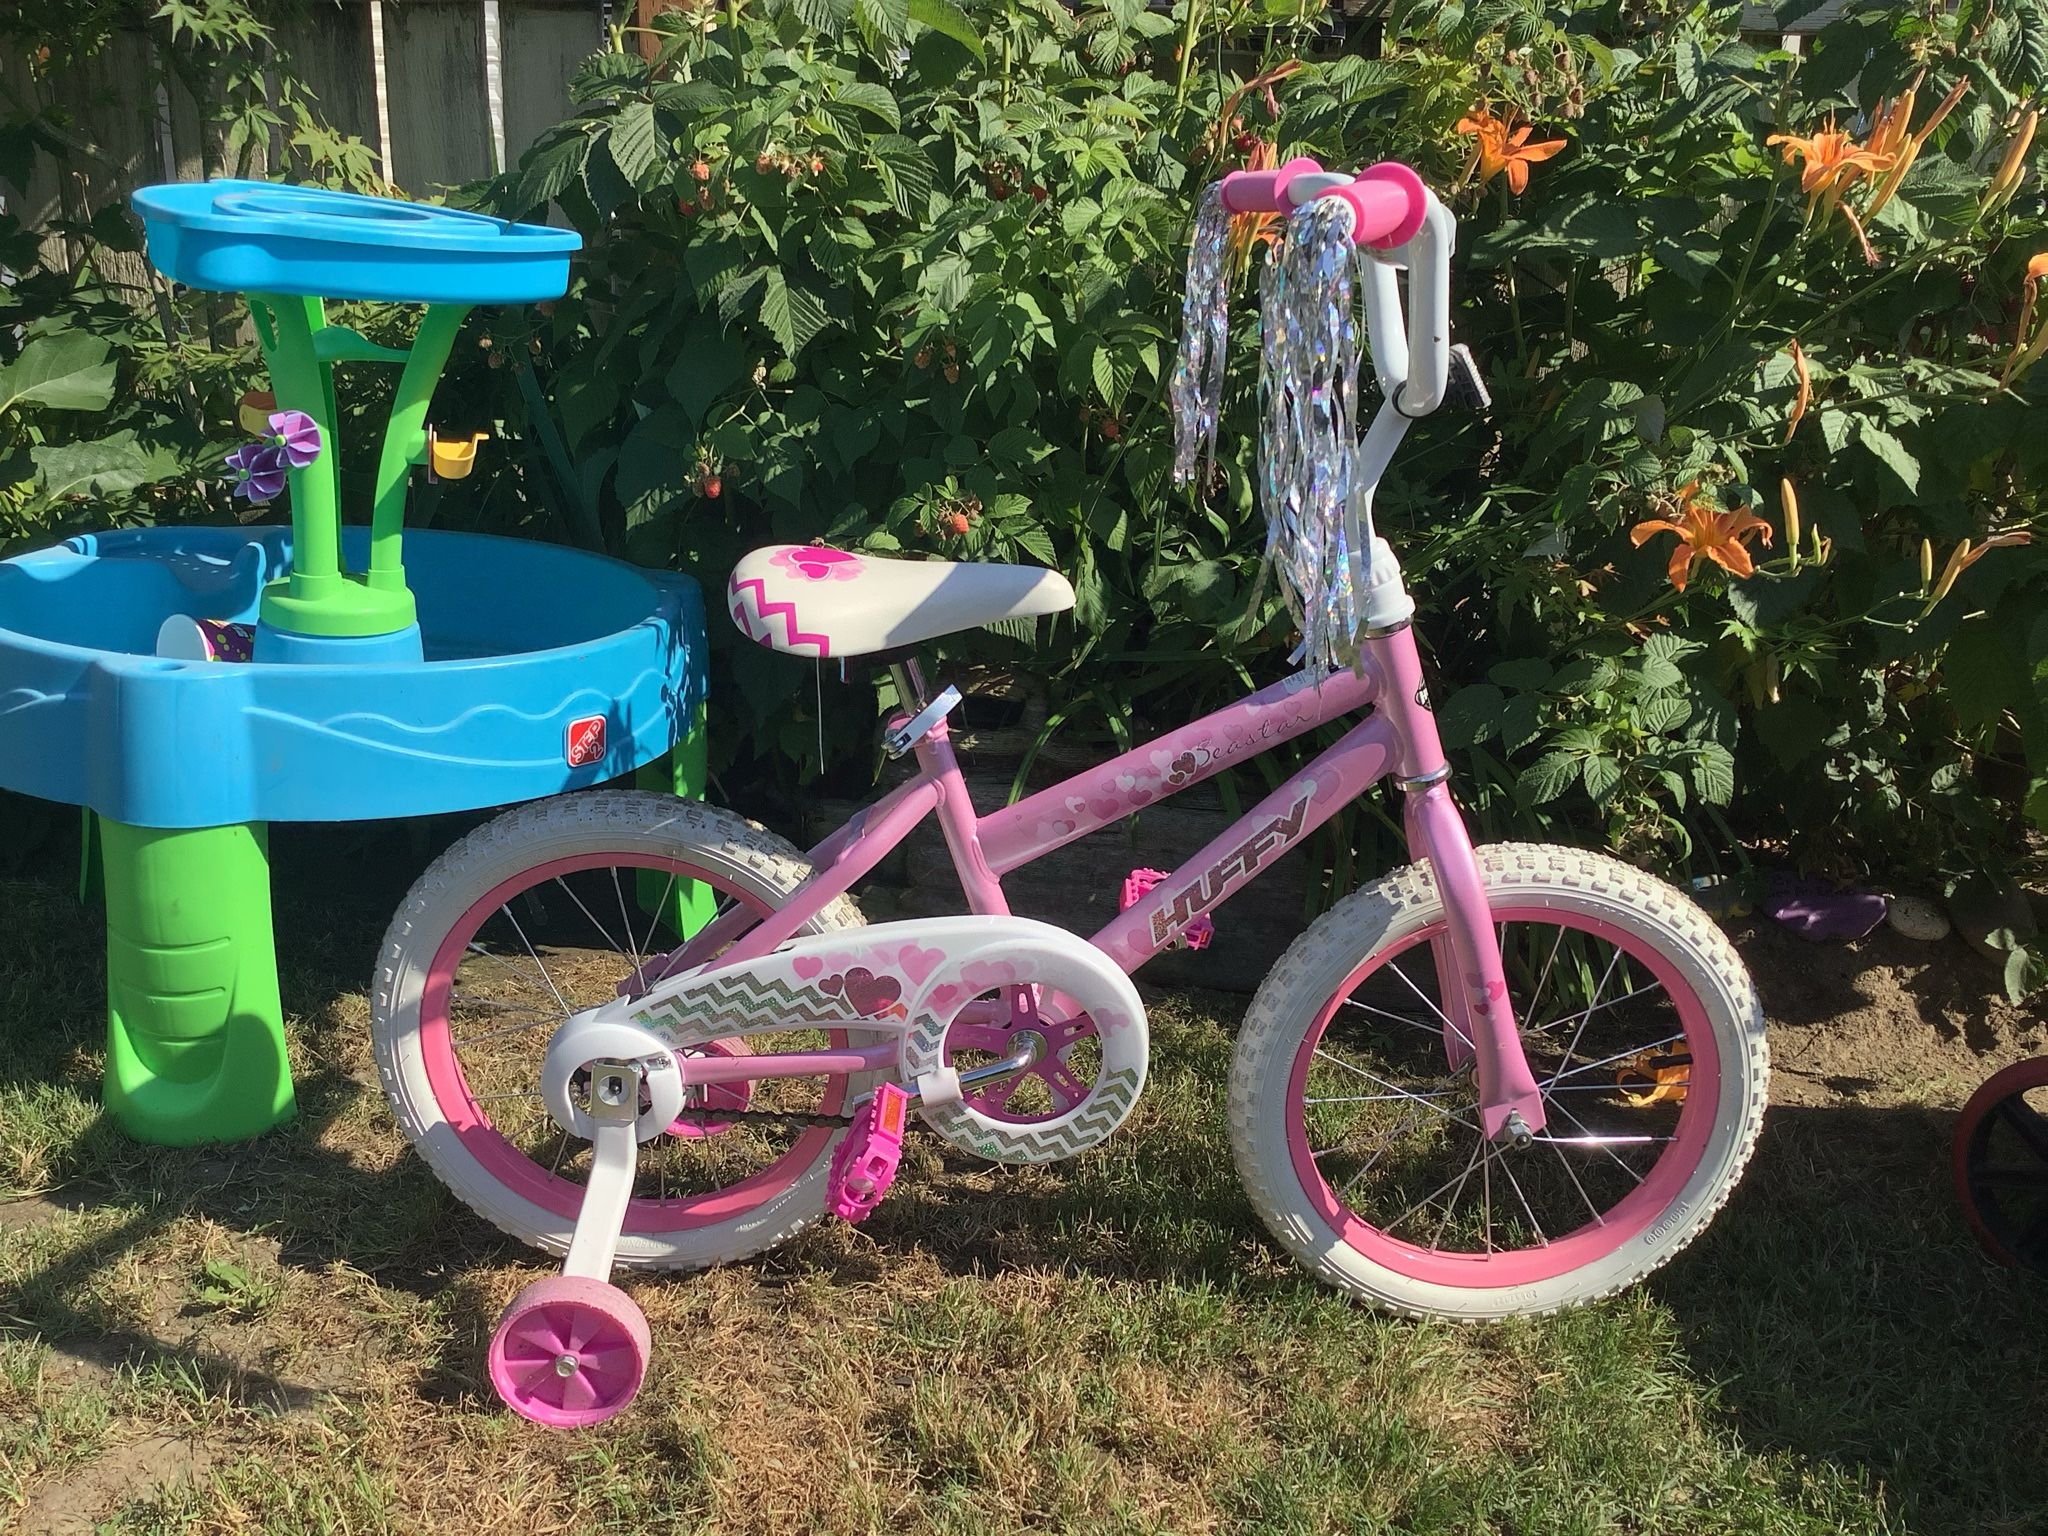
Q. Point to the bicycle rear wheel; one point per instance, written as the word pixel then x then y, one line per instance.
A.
pixel 558 906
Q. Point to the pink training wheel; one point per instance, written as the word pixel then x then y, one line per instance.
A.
pixel 570 1352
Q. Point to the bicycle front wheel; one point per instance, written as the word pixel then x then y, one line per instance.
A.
pixel 1356 1130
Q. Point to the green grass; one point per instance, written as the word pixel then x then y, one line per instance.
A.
pixel 288 1336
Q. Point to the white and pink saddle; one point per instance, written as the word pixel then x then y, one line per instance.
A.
pixel 808 600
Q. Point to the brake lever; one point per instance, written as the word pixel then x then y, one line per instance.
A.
pixel 1468 385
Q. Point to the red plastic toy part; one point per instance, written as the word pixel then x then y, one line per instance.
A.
pixel 1265 191
pixel 1388 202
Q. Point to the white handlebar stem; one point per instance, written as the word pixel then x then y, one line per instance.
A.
pixel 1411 357
pixel 1428 362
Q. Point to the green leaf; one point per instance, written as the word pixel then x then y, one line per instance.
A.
pixel 636 144
pixel 687 98
pixel 1521 672
pixel 1662 715
pixel 1687 60
pixel 1889 452
pixel 827 16
pixel 792 314
pixel 1601 774
pixel 67 371
pixel 1713 773
pixel 1112 370
pixel 906 172
pixel 1549 776
pixel 1521 722
pixel 547 172
pixel 106 467
pixel 1470 715
pixel 945 17
pixel 604 75
pixel 711 362
pixel 870 98
pixel 883 20
pixel 1656 674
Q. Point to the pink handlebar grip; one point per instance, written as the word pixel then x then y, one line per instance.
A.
pixel 1264 191
pixel 1388 202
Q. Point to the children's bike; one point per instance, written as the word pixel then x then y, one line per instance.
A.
pixel 635 1030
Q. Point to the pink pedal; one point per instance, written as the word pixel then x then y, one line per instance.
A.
pixel 865 1165
pixel 1140 883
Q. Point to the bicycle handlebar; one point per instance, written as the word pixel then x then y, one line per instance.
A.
pixel 1387 201
pixel 1265 191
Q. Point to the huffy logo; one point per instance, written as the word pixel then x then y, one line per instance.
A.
pixel 585 742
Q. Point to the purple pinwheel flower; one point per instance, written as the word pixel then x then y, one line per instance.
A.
pixel 259 471
pixel 296 436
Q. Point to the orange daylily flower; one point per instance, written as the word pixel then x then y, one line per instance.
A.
pixel 1705 532
pixel 1966 555
pixel 1830 162
pixel 2026 348
pixel 1504 146
pixel 1248 231
pixel 1889 136
pixel 2014 165
pixel 1804 397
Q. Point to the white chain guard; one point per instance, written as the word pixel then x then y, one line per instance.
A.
pixel 912 979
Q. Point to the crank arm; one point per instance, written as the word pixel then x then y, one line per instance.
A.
pixel 614 1158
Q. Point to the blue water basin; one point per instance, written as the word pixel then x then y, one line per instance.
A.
pixel 526 645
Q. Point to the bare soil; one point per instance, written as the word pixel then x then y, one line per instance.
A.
pixel 1883 1020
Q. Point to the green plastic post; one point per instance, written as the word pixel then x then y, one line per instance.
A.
pixel 195 1031
pixel 690 903
pixel 405 441
pixel 321 597
pixel 286 325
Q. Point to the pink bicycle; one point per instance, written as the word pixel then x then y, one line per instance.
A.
pixel 1499 1081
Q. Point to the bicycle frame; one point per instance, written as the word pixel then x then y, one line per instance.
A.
pixel 1397 738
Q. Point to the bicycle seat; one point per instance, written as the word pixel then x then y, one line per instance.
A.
pixel 807 600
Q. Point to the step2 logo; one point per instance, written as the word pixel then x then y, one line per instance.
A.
pixel 585 742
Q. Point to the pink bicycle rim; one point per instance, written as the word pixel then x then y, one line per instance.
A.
pixel 513 1168
pixel 1627 1221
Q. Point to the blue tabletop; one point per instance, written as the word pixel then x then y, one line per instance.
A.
pixel 267 237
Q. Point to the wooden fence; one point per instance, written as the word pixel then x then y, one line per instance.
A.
pixel 437 127
pixel 435 123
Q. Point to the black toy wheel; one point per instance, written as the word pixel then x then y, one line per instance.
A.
pixel 2001 1165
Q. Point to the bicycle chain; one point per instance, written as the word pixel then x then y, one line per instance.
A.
pixel 717 1117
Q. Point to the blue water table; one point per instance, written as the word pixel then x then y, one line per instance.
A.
pixel 387 673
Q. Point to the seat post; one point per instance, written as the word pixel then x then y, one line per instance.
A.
pixel 911 694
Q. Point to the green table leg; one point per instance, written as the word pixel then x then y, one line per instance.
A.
pixel 195 1031
pixel 690 904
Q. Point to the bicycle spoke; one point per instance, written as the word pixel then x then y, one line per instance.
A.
pixel 544 976
pixel 1451 1205
pixel 1608 1061
pixel 1619 1160
pixel 654 913
pixel 1398 1091
pixel 1598 1219
pixel 1436 1031
pixel 1587 1017
pixel 590 916
pixel 626 921
pixel 497 1034
pixel 1428 1003
pixel 1526 1209
pixel 1612 1002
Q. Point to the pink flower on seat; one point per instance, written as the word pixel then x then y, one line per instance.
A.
pixel 814 562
